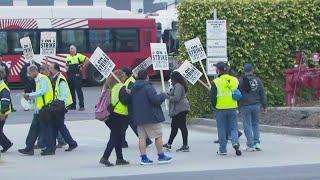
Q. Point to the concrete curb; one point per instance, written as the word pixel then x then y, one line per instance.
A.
pixel 265 128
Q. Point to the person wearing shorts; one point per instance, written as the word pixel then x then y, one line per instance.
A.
pixel 148 115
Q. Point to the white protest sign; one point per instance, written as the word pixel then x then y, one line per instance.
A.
pixel 142 66
pixel 48 43
pixel 190 72
pixel 217 48
pixel 102 62
pixel 27 49
pixel 195 50
pixel 216 29
pixel 159 56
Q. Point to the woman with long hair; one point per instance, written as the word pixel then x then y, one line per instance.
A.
pixel 118 118
pixel 178 109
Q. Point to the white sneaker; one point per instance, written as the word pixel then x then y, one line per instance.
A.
pixel 257 147
pixel 249 149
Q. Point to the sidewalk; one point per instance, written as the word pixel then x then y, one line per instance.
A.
pixel 92 136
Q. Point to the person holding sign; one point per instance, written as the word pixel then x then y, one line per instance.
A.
pixel 147 114
pixel 74 63
pixel 226 108
pixel 5 110
pixel 178 109
pixel 118 118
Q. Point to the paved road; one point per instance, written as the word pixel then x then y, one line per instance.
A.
pixel 299 172
pixel 278 150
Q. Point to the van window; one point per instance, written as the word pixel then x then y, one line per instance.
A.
pixel 14 40
pixel 3 43
pixel 75 37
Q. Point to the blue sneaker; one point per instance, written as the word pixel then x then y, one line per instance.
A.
pixel 164 159
pixel 146 161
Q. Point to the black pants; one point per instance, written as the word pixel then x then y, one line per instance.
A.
pixel 56 126
pixel 179 121
pixel 116 124
pixel 4 141
pixel 75 84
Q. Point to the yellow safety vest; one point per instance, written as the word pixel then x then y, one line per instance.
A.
pixel 57 91
pixel 2 87
pixel 76 59
pixel 129 80
pixel 119 108
pixel 48 97
pixel 225 85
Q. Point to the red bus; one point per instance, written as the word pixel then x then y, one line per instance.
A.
pixel 124 36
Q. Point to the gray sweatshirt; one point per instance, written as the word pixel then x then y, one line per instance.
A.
pixel 178 100
pixel 257 93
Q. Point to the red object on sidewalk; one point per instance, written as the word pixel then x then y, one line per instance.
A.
pixel 301 76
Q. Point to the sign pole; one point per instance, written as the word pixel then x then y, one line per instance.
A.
pixel 204 84
pixel 116 77
pixel 205 74
pixel 163 89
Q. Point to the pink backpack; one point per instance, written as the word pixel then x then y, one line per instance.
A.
pixel 102 111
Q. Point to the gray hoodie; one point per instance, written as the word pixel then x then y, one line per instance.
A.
pixel 257 93
pixel 178 100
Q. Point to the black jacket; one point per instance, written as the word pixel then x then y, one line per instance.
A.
pixel 253 91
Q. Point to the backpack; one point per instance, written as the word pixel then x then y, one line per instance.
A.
pixel 103 109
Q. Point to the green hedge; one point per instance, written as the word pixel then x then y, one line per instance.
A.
pixel 265 33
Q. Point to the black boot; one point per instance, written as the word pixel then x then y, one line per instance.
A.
pixel 237 149
pixel 120 162
pixel 71 147
pixel 26 151
pixel 106 162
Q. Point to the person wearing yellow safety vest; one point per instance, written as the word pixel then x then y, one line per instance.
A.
pixel 118 118
pixel 129 82
pixel 74 62
pixel 226 108
pixel 61 93
pixel 5 110
pixel 42 97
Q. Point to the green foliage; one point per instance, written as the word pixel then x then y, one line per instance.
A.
pixel 263 32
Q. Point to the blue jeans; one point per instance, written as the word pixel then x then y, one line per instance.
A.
pixel 227 122
pixel 37 129
pixel 250 115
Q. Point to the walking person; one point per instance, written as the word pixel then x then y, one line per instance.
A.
pixel 226 108
pixel 61 93
pixel 118 118
pixel 44 69
pixel 147 115
pixel 42 96
pixel 253 97
pixel 178 109
pixel 129 82
pixel 5 110
pixel 74 62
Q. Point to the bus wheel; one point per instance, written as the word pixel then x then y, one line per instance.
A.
pixel 94 78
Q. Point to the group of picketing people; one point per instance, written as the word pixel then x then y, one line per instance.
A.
pixel 135 102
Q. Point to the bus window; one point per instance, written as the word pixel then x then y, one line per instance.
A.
pixel 14 41
pixel 126 40
pixel 102 38
pixel 3 43
pixel 75 37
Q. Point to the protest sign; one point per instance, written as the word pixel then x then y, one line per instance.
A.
pixel 48 43
pixel 160 61
pixel 190 72
pixel 195 50
pixel 159 56
pixel 142 66
pixel 197 54
pixel 103 63
pixel 27 49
